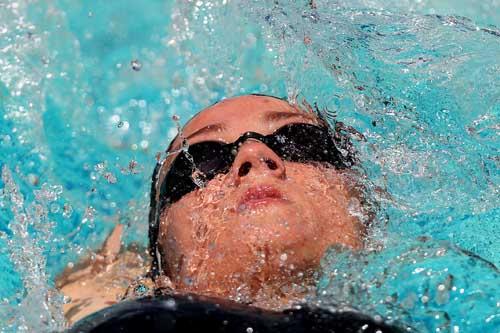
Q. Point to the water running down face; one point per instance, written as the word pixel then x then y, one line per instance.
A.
pixel 262 227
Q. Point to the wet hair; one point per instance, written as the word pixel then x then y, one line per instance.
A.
pixel 341 135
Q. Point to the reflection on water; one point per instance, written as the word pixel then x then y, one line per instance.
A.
pixel 87 93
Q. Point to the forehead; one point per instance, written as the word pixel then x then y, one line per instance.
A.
pixel 236 111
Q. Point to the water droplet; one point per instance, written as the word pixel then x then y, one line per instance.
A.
pixel 170 303
pixel 89 215
pixel 200 80
pixel 132 166
pixel 66 299
pixel 188 281
pixel 136 65
pixel 54 208
pixel 199 178
pixel 110 177
pixel 33 179
pixel 140 290
pixel 67 210
pixel 100 166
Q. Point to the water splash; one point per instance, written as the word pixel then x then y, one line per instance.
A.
pixel 433 286
pixel 400 78
pixel 421 86
pixel 40 308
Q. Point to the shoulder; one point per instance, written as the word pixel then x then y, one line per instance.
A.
pixel 88 288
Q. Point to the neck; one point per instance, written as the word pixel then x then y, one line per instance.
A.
pixel 273 297
pixel 271 294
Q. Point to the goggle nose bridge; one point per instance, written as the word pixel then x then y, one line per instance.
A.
pixel 250 135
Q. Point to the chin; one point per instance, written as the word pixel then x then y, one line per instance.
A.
pixel 265 209
pixel 275 225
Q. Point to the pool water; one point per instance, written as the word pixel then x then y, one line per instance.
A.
pixel 87 95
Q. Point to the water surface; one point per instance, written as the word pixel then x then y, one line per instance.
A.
pixel 88 90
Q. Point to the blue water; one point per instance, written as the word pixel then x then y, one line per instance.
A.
pixel 87 92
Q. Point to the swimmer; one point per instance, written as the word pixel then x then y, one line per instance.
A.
pixel 252 193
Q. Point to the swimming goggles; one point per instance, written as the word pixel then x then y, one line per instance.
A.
pixel 201 162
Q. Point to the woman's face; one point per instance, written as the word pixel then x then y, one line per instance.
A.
pixel 267 221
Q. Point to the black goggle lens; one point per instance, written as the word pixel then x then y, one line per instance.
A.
pixel 293 142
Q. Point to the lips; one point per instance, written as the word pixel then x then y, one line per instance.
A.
pixel 260 195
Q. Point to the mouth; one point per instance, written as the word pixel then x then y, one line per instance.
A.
pixel 259 196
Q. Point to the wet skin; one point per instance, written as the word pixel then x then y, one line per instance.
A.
pixel 257 233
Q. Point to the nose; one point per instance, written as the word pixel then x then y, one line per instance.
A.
pixel 255 158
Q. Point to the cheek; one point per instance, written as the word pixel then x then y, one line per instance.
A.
pixel 327 198
pixel 192 222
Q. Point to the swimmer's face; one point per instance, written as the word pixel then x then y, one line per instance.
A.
pixel 266 219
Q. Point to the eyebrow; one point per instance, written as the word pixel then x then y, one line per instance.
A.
pixel 280 115
pixel 271 116
pixel 207 129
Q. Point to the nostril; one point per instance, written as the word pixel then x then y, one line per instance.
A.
pixel 244 169
pixel 271 164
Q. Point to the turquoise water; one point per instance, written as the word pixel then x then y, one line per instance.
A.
pixel 87 92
